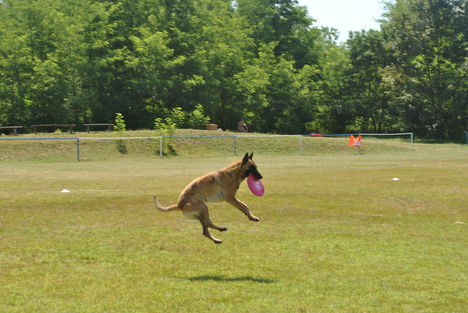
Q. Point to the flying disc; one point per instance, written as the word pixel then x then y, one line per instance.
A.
pixel 255 185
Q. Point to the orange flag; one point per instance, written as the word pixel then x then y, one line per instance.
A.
pixel 355 141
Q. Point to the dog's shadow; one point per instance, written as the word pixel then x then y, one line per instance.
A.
pixel 231 279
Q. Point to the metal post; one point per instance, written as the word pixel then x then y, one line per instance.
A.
pixel 161 146
pixel 235 145
pixel 78 149
pixel 412 141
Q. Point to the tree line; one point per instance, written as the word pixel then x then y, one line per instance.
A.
pixel 83 61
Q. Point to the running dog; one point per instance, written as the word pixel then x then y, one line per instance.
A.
pixel 216 186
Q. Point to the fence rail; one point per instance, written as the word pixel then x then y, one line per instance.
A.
pixel 234 139
pixel 53 138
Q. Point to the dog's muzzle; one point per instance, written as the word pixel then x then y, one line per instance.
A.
pixel 257 174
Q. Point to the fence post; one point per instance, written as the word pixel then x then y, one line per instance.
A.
pixel 161 146
pixel 78 149
pixel 235 145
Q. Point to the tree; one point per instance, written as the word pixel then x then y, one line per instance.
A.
pixel 366 90
pixel 283 22
pixel 274 93
pixel 333 111
pixel 427 39
pixel 45 72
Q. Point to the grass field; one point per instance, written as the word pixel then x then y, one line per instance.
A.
pixel 206 145
pixel 337 234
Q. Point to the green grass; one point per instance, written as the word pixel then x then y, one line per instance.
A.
pixel 336 235
pixel 95 150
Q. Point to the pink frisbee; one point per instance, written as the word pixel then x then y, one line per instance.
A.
pixel 255 185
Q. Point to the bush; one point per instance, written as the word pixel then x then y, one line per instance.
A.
pixel 178 117
pixel 165 128
pixel 197 118
pixel 120 123
pixel 120 127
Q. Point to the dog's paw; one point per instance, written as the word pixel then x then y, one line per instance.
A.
pixel 218 242
pixel 254 218
pixel 223 228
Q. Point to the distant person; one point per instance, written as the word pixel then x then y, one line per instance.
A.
pixel 242 126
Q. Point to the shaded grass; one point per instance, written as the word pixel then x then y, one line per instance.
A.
pixel 337 235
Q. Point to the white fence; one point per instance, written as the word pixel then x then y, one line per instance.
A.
pixel 235 138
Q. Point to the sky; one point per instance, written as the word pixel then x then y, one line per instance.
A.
pixel 345 15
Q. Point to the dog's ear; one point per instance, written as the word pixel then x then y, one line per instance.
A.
pixel 251 156
pixel 245 159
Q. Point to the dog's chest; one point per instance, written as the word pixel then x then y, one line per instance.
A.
pixel 216 197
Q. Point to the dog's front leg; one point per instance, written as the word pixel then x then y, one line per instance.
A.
pixel 244 208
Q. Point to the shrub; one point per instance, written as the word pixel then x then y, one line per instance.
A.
pixel 120 123
pixel 178 117
pixel 197 118
pixel 165 127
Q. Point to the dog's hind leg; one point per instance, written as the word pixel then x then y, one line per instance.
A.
pixel 210 224
pixel 198 209
pixel 206 232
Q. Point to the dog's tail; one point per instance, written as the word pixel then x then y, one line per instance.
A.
pixel 162 208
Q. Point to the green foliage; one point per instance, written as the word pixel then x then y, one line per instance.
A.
pixel 119 123
pixel 121 128
pixel 427 39
pixel 197 118
pixel 178 117
pixel 164 128
pixel 81 61
pixel 372 111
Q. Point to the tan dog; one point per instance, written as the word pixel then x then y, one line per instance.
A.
pixel 215 186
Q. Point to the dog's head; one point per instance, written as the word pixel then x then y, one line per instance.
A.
pixel 248 166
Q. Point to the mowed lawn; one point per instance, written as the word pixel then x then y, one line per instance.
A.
pixel 337 234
